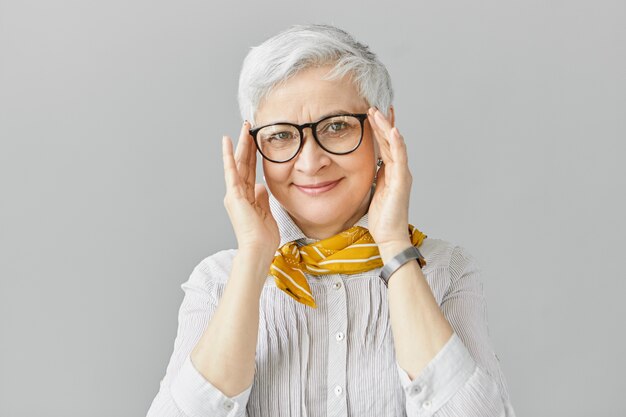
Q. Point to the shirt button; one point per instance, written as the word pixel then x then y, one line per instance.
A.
pixel 228 405
pixel 416 390
pixel 339 336
pixel 338 390
pixel 337 285
pixel 427 404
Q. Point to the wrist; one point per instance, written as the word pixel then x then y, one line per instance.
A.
pixel 255 260
pixel 262 252
pixel 390 249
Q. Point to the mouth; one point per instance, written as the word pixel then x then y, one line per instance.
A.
pixel 318 188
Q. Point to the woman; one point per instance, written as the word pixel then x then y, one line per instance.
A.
pixel 357 313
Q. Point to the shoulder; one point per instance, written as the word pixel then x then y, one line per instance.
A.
pixel 448 263
pixel 219 263
pixel 444 254
pixel 214 269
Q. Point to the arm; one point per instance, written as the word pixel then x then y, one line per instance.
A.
pixel 226 352
pixel 462 377
pixel 212 367
pixel 215 378
pixel 419 327
pixel 443 355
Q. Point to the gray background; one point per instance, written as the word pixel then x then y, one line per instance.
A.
pixel 111 115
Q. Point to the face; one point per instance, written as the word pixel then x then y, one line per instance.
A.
pixel 325 211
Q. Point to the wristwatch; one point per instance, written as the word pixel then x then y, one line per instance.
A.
pixel 400 259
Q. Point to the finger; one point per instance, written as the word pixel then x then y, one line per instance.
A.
pixel 231 176
pixel 381 135
pixel 241 155
pixel 381 139
pixel 401 167
pixel 251 177
pixel 384 123
pixel 398 147
pixel 246 161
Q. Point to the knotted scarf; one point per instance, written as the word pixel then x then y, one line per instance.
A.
pixel 349 252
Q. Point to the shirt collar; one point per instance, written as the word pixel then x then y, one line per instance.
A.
pixel 289 231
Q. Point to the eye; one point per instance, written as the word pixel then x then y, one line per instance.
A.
pixel 280 136
pixel 270 135
pixel 334 127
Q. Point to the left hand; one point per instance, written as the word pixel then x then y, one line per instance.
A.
pixel 388 217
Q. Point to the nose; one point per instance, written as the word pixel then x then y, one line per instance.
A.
pixel 312 157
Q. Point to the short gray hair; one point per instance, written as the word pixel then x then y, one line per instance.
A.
pixel 303 46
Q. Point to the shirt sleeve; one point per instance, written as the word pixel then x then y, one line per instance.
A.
pixel 465 377
pixel 183 391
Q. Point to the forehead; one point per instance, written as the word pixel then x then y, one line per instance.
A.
pixel 307 97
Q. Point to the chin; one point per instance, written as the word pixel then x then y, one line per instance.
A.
pixel 321 211
pixel 324 210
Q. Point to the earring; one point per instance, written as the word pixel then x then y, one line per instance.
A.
pixel 379 163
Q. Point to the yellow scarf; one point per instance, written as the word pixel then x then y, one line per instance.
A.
pixel 349 252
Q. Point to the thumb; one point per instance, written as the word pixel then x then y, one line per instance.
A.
pixel 262 197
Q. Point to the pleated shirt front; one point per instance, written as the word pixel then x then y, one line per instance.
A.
pixel 339 359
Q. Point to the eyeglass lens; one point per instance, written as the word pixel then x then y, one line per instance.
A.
pixel 336 134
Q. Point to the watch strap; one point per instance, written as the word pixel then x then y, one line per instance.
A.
pixel 400 259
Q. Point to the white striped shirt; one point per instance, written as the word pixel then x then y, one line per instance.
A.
pixel 339 359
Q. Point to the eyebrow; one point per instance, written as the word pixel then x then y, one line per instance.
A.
pixel 334 112
pixel 337 111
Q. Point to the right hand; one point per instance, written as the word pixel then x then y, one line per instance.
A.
pixel 247 203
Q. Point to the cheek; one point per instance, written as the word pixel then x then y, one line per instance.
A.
pixel 365 163
pixel 361 170
pixel 369 142
pixel 276 175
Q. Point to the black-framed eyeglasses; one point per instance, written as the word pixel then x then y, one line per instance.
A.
pixel 338 134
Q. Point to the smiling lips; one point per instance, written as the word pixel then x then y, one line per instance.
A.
pixel 315 189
